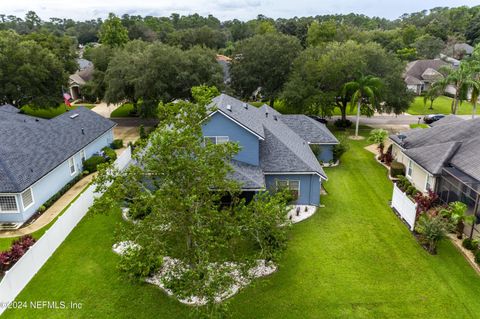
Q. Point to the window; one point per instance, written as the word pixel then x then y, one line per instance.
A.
pixel 8 204
pixel 71 164
pixel 27 198
pixel 83 156
pixel 428 182
pixel 216 139
pixel 410 168
pixel 293 186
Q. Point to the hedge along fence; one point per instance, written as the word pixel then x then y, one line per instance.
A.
pixel 25 269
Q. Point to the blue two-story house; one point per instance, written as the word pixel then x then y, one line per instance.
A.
pixel 275 149
pixel 38 157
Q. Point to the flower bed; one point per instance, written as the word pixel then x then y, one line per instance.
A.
pixel 19 247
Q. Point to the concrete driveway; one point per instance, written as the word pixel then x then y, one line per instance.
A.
pixel 105 110
pixel 126 133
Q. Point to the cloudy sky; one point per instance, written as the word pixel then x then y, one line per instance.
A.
pixel 223 9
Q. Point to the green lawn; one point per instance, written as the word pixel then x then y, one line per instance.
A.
pixel 353 259
pixel 441 105
pixel 51 112
pixel 123 111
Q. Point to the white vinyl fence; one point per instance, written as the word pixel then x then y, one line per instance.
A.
pixel 23 271
pixel 404 206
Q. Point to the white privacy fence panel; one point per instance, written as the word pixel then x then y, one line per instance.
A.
pixel 23 271
pixel 404 206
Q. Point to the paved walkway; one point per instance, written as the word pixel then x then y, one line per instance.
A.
pixel 105 110
pixel 51 213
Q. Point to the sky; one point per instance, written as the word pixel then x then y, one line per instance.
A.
pixel 222 9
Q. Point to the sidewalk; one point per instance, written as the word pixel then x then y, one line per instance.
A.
pixel 51 213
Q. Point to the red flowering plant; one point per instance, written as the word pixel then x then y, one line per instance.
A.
pixel 17 250
pixel 425 202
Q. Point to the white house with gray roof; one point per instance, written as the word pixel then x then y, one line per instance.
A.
pixel 444 158
pixel 38 156
pixel 275 149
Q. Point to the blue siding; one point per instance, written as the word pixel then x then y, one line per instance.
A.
pixel 220 125
pixel 326 153
pixel 51 183
pixel 309 187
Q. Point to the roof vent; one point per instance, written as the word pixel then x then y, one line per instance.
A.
pixel 73 116
pixel 229 107
pixel 275 118
pixel 245 105
pixel 266 114
pixel 83 131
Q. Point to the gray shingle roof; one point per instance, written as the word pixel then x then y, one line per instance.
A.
pixel 282 149
pixel 250 176
pixel 449 119
pixel 456 143
pixel 310 130
pixel 9 108
pixel 31 147
pixel 433 157
pixel 415 69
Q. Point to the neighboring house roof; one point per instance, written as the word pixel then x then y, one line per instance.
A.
pixel 282 149
pixel 433 157
pixel 82 76
pixel 410 80
pixel 310 130
pixel 83 64
pixel 449 119
pixel 9 108
pixel 416 69
pixel 31 147
pixel 455 142
pixel 431 75
pixel 465 47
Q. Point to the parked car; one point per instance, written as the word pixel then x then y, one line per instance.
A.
pixel 319 119
pixel 430 118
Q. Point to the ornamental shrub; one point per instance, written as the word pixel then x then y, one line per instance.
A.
pixel 477 256
pixel 92 163
pixel 117 144
pixel 110 153
pixel 342 124
pixel 469 244
pixel 396 169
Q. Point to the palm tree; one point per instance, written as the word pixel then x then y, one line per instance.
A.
pixel 474 95
pixel 433 93
pixel 460 78
pixel 366 89
pixel 378 136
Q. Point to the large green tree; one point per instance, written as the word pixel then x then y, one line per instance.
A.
pixel 263 61
pixel 29 73
pixel 112 32
pixel 325 69
pixel 177 188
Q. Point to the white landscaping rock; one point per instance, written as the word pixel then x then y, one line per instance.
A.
pixel 121 247
pixel 260 270
pixel 292 214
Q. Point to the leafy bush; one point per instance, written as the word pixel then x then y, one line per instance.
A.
pixel 117 144
pixel 143 133
pixel 109 153
pixel 403 183
pixel 342 124
pixel 140 262
pixel 17 250
pixel 412 191
pixel 41 209
pixel 477 256
pixel 92 163
pixel 396 168
pixel 432 228
pixel 340 148
pixel 470 244
pixel 425 202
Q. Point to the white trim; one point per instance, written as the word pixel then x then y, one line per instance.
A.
pixel 216 138
pixel 16 203
pixel 33 198
pixel 296 173
pixel 237 122
pixel 313 143
pixel 73 165
pixel 409 166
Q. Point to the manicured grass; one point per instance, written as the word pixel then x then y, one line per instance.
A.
pixel 51 112
pixel 123 111
pixel 421 125
pixel 353 259
pixel 441 105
